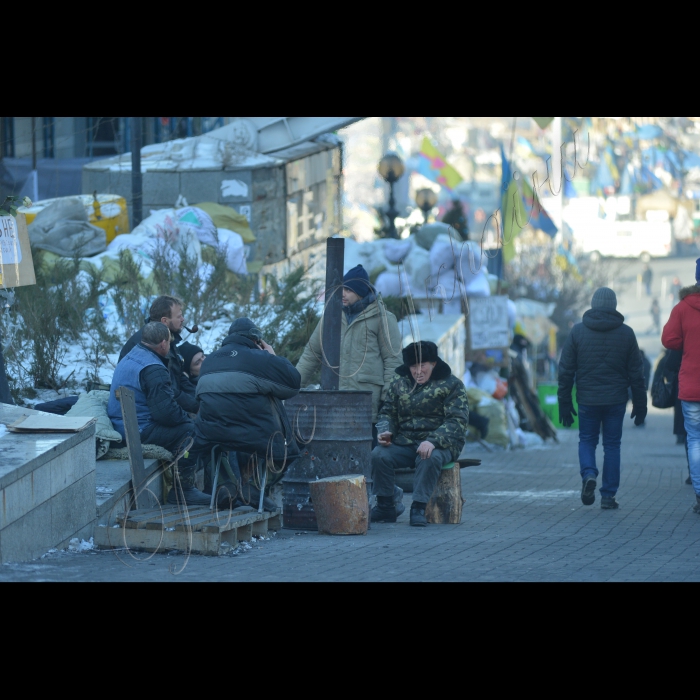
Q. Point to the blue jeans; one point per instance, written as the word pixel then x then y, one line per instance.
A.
pixel 691 411
pixel 610 418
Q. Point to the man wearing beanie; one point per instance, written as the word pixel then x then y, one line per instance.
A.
pixel 370 342
pixel 682 333
pixel 601 356
pixel 240 391
pixel 427 413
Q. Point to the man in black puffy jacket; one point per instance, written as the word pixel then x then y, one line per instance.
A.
pixel 602 357
pixel 240 391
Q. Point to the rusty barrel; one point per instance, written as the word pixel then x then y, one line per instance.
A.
pixel 334 431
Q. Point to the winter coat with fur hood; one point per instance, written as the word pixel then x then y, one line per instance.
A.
pixel 682 333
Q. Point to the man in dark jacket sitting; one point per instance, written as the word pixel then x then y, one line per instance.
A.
pixel 161 420
pixel 240 389
pixel 602 357
pixel 168 311
pixel 423 423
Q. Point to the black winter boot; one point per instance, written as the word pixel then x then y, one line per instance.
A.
pixel 696 508
pixel 184 492
pixel 418 518
pixel 385 512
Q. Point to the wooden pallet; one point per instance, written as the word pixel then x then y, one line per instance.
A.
pixel 197 530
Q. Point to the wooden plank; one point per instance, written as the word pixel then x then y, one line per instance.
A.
pixel 275 523
pixel 170 514
pixel 245 534
pixel 234 523
pixel 133 443
pixel 163 541
pixel 176 519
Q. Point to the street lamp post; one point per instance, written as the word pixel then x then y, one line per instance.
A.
pixel 426 200
pixel 391 168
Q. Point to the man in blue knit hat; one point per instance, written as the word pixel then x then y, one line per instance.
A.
pixel 601 356
pixel 370 345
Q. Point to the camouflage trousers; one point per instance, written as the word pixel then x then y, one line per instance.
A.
pixel 386 460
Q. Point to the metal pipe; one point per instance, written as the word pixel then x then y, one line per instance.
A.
pixel 333 314
pixel 136 177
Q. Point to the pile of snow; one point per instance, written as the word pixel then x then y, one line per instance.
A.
pixel 3 430
pixel 79 546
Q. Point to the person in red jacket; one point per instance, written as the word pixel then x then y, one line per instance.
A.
pixel 682 333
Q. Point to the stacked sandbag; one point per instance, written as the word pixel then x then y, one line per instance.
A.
pixel 63 228
pixel 417 264
pixel 393 284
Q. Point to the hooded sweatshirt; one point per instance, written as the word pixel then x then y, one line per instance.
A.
pixel 682 333
pixel 601 356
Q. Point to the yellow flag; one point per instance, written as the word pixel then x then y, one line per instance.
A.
pixel 514 220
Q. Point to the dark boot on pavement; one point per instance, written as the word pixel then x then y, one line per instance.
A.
pixel 689 481
pixel 609 504
pixel 187 494
pixel 696 508
pixel 385 511
pixel 418 518
pixel 398 502
pixel 588 492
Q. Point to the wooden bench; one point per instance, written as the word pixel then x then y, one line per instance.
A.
pixel 145 525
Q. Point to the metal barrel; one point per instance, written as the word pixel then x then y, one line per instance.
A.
pixel 334 430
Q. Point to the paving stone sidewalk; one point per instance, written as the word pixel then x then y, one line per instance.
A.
pixel 523 521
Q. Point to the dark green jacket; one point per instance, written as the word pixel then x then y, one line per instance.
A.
pixel 437 412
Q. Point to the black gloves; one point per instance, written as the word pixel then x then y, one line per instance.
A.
pixel 566 414
pixel 639 415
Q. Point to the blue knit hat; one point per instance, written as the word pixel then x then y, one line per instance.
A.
pixel 697 272
pixel 357 280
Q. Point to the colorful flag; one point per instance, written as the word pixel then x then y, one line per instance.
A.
pixel 539 218
pixel 513 214
pixel 433 165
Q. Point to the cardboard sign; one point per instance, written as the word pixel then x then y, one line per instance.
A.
pixel 16 264
pixel 489 327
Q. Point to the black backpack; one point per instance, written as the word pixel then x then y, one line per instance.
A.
pixel 664 389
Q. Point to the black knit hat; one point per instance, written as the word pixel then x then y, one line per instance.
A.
pixel 416 353
pixel 357 280
pixel 188 351
pixel 246 328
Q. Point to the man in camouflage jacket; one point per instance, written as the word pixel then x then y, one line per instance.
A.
pixel 427 411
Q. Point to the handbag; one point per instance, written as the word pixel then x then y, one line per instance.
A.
pixel 664 390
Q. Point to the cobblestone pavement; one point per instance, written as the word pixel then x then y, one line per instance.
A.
pixel 523 521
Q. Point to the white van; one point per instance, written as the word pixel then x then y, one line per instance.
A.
pixel 624 239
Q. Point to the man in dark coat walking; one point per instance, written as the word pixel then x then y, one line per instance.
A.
pixel 168 311
pixel 602 358
pixel 240 389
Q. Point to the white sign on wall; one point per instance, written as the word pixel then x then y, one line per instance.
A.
pixel 488 323
pixel 10 249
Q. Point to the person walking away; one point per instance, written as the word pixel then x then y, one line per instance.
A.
pixel 601 356
pixel 168 311
pixel 426 414
pixel 656 316
pixel 682 333
pixel 161 420
pixel 648 278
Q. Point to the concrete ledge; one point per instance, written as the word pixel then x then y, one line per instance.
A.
pixel 113 478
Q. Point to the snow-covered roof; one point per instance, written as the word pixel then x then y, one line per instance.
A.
pixel 236 146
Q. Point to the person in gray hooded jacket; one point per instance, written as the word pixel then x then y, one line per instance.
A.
pixel 601 356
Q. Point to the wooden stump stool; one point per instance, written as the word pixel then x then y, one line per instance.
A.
pixel 341 505
pixel 445 507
